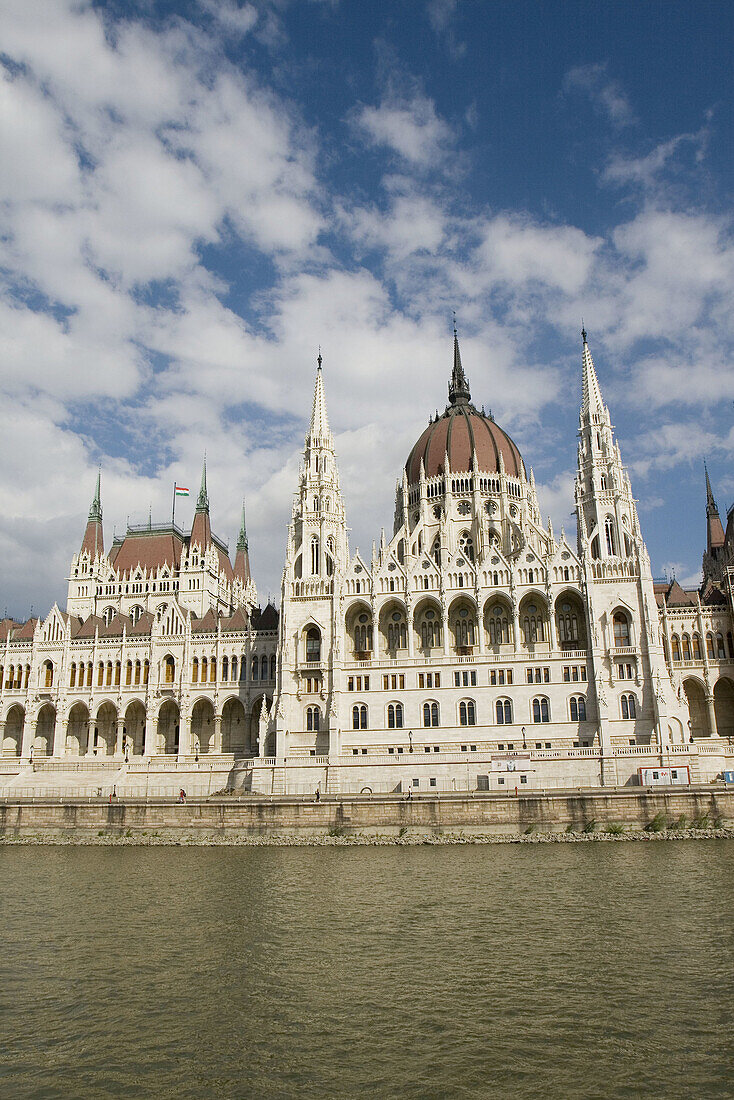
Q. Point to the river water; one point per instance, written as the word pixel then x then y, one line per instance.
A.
pixel 584 970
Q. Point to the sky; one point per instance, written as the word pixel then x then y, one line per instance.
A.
pixel 195 196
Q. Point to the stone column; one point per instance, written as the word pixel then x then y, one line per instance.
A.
pixel 60 735
pixel 150 730
pixel 29 736
pixel 217 747
pixel 411 626
pixel 713 728
pixel 445 629
pixel 185 746
pixel 120 744
pixel 2 734
pixel 91 736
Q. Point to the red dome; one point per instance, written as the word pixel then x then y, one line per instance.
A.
pixel 459 432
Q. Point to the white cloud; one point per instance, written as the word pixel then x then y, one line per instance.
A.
pixel 518 250
pixel 606 94
pixel 410 127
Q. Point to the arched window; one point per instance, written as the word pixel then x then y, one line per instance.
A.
pixel 169 669
pixel 204 670
pixel 118 667
pixel 610 536
pixel 436 551
pixel 272 666
pixel 541 709
pixel 709 645
pixel 686 647
pixel 397 632
pixel 108 615
pixel 313 644
pixel 233 673
pixel 264 663
pixel 49 674
pixel 255 669
pixel 503 709
pixel 577 706
pixel 313 719
pixel 464 628
pixel 621 630
pixel 533 625
pixel 629 706
pixel 363 634
pixel 129 674
pixel 395 716
pixel 696 647
pixel 675 647
pixel 467 713
pixel 595 547
pixel 720 652
pixel 225 668
pixel 72 676
pixel 359 717
pixel 315 556
pixel 135 612
pixel 138 668
pixel 498 626
pixel 466 545
pixel 100 674
pixel 108 681
pixel 730 643
pixel 430 629
pixel 213 670
pixel 146 671
pixel 430 714
pixel 243 669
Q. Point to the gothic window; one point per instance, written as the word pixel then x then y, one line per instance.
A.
pixel 243 669
pixel 463 508
pixel 359 717
pixel 213 670
pixel 146 671
pixel 720 652
pixel 595 547
pixel 436 551
pixel 225 668
pixel 629 706
pixel 696 647
pixel 533 626
pixel 397 632
pixel 117 673
pixel 610 536
pixel 363 634
pixel 48 674
pixel 466 545
pixel 100 674
pixel 313 644
pixel 430 714
pixel 568 624
pixel 503 710
pixel 272 666
pixel 255 669
pixel 72 676
pixel 315 557
pixel 430 630
pixel 195 671
pixel 204 670
pixel 401 551
pixel 263 667
pixel 541 709
pixel 313 719
pixel 577 706
pixel 622 631
pixel 498 626
pixel 686 647
pixel 603 482
pixel 169 670
pixel 395 716
pixel 710 645
pixel 675 646
pixel 467 713
pixel 137 672
pixel 108 615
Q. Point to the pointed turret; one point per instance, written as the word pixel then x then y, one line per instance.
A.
pixel 93 541
pixel 201 531
pixel 714 526
pixel 242 558
pixel 319 428
pixel 459 393
pixel 591 399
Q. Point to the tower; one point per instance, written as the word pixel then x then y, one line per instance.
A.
pixel 631 677
pixel 316 558
pixel 713 559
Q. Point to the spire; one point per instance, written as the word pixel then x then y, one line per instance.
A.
pixel 319 419
pixel 202 504
pixel 591 399
pixel 242 557
pixel 201 531
pixel 459 385
pixel 714 526
pixel 93 541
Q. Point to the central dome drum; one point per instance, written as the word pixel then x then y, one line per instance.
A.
pixel 460 432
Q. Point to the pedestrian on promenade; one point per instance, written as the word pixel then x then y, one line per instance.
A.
pixel 182 795
pixel 317 796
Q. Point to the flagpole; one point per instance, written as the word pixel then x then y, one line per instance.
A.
pixel 173 507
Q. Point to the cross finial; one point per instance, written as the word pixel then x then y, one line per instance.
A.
pixel 319 360
pixel 583 330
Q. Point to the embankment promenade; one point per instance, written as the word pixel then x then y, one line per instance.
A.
pixel 570 815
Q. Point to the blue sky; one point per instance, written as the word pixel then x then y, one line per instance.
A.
pixel 194 196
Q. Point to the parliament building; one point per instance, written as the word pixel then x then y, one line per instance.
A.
pixel 473 650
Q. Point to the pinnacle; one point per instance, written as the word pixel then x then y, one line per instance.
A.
pixel 202 504
pixel 459 393
pixel 591 399
pixel 319 418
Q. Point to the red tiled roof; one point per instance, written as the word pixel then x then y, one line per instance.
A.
pixel 207 625
pixel 267 619
pixel 90 626
pixel 143 625
pixel 150 551
pixel 93 541
pixel 235 622
pixel 460 430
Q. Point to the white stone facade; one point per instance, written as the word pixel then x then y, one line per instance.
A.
pixel 473 650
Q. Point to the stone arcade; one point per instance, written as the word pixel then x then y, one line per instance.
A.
pixel 474 650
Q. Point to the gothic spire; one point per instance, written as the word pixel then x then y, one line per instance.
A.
pixel 714 526
pixel 591 399
pixel 202 504
pixel 242 558
pixel 319 420
pixel 93 541
pixel 459 393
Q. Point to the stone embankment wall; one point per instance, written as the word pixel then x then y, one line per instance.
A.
pixel 485 814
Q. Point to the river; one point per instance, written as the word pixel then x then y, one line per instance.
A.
pixel 570 971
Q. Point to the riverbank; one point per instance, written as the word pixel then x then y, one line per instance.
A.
pixel 606 813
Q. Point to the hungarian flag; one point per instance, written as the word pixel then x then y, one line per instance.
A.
pixel 181 491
